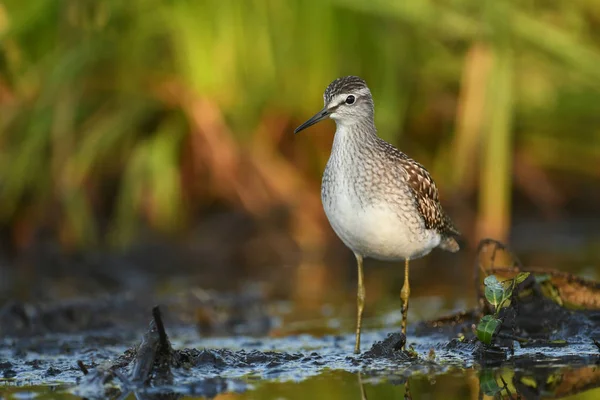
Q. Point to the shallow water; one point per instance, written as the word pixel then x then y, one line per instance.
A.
pixel 318 325
pixel 326 369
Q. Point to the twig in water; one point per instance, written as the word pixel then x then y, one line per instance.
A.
pixel 82 367
pixel 162 334
pixel 146 355
pixel 506 387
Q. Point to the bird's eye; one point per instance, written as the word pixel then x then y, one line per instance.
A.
pixel 350 99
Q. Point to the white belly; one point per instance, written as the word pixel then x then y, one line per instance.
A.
pixel 377 230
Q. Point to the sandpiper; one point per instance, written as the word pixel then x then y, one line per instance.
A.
pixel 381 203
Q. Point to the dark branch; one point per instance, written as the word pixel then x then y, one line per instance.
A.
pixel 82 367
pixel 164 341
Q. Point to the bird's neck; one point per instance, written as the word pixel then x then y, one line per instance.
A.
pixel 352 137
pixel 353 147
pixel 351 140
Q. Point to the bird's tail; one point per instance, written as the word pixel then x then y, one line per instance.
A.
pixel 450 244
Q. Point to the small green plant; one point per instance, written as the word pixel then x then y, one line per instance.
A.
pixel 498 294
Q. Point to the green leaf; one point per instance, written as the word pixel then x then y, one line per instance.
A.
pixel 488 384
pixel 507 294
pixel 494 291
pixel 521 277
pixel 486 329
pixel 491 281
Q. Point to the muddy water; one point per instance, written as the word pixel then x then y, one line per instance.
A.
pixel 312 340
pixel 314 367
pixel 304 366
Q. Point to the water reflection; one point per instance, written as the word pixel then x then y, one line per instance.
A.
pixel 527 378
pixel 552 382
pixel 361 385
pixel 581 383
pixel 327 308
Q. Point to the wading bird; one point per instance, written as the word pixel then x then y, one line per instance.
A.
pixel 381 203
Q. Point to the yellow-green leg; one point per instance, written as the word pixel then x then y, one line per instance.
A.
pixel 404 294
pixel 360 302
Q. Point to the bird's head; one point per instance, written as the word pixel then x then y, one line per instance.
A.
pixel 348 101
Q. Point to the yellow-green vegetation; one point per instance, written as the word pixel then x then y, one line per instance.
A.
pixel 498 294
pixel 118 114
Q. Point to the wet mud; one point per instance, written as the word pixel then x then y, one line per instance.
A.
pixel 104 348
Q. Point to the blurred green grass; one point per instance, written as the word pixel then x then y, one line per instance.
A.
pixel 117 115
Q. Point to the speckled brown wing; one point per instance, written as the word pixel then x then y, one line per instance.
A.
pixel 427 198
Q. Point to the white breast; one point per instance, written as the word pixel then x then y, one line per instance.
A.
pixel 377 231
pixel 371 221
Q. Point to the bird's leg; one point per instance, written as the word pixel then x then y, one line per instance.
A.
pixel 404 294
pixel 360 302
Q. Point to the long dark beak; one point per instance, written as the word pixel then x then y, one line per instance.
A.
pixel 320 116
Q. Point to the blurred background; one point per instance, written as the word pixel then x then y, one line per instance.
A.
pixel 148 143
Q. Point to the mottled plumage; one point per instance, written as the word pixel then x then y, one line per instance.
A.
pixel 371 172
pixel 427 199
pixel 380 202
